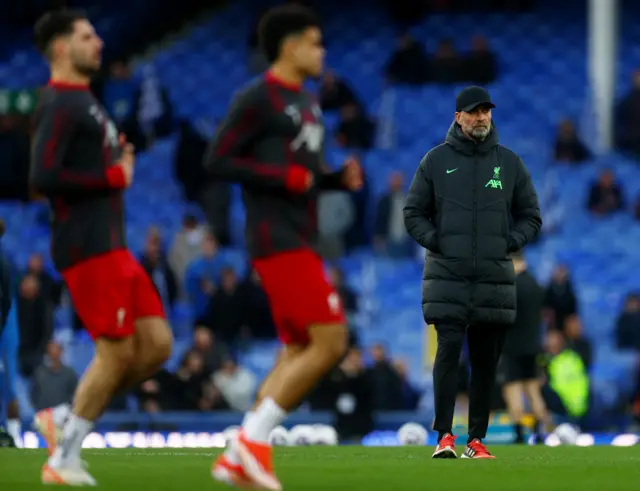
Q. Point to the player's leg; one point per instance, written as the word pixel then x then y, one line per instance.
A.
pixel 446 370
pixel 533 392
pixel 227 468
pixel 485 348
pixel 153 343
pixel 312 317
pixel 513 393
pixel 102 291
pixel 14 426
pixel 327 345
pixel 153 338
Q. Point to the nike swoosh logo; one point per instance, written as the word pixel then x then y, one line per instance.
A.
pixel 449 171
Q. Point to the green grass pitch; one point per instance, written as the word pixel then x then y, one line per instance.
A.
pixel 353 469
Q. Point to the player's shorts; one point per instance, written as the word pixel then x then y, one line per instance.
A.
pixel 299 293
pixel 110 292
pixel 520 368
pixel 9 342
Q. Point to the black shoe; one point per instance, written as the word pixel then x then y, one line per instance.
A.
pixel 6 440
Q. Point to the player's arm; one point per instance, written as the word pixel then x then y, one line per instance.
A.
pixel 229 158
pixel 348 178
pixel 419 208
pixel 56 126
pixel 524 210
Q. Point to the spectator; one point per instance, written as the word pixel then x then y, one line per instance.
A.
pixel 628 119
pixel 51 289
pixel 187 159
pixel 628 324
pixel 118 94
pixel 156 265
pixel 256 312
pixel 447 64
pixel 224 314
pixel 355 129
pixel 213 197
pixel 576 341
pixel 36 324
pixel 54 383
pixel 566 391
pixel 212 352
pixel 359 235
pixel 568 147
pixel 335 92
pixel 348 297
pixel 154 395
pixel 386 382
pixel 236 384
pixel 353 396
pixel 190 381
pixel 390 234
pixel 186 247
pixel 606 195
pixel 203 275
pixel 409 64
pixel 560 301
pixel 410 395
pixel 336 215
pixel 480 65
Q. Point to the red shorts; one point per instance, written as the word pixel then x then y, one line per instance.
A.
pixel 111 291
pixel 299 293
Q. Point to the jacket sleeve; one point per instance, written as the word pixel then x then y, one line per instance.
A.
pixel 419 208
pixel 54 130
pixel 229 157
pixel 524 210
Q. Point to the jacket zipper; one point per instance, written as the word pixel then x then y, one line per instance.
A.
pixel 475 214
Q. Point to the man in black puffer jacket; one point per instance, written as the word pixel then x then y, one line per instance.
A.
pixel 471 204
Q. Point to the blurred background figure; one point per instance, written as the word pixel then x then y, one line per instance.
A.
pixel 386 95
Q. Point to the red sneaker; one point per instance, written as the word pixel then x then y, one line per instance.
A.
pixel 476 450
pixel 446 448
pixel 257 462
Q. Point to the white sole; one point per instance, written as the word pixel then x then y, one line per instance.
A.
pixel 445 453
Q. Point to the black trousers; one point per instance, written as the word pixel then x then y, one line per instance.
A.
pixel 485 346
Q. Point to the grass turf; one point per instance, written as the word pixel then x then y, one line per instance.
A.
pixel 352 468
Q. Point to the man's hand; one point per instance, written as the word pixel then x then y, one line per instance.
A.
pixel 127 159
pixel 352 175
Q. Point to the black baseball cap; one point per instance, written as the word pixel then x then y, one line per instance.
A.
pixel 471 97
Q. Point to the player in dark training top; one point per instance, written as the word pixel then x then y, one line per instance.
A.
pixel 81 164
pixel 272 144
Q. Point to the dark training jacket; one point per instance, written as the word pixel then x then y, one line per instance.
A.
pixel 471 205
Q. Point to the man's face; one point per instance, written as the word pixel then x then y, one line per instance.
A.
pixel 475 124
pixel 606 179
pixel 308 52
pixel 36 263
pixel 83 48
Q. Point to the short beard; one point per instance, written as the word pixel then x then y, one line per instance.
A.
pixel 480 134
pixel 86 71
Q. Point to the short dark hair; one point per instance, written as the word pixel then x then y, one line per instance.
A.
pixel 281 22
pixel 54 24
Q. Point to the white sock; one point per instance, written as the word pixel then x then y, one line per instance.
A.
pixel 14 428
pixel 231 453
pixel 266 418
pixel 67 453
pixel 60 414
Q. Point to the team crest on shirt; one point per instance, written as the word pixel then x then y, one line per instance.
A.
pixel 311 133
pixel 110 130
